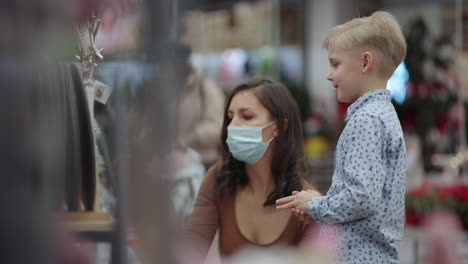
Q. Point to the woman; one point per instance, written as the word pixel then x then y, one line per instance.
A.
pixel 262 161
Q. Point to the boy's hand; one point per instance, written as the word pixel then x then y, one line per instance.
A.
pixel 298 200
pixel 302 216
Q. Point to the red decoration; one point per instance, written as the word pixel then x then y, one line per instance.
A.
pixel 428 198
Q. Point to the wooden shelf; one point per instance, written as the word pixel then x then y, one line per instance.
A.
pixel 88 221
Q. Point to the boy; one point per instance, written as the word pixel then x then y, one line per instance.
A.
pixel 366 198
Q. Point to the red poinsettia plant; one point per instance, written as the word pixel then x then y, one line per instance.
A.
pixel 428 198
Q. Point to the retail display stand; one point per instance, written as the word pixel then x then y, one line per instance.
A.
pixel 94 225
pixel 84 217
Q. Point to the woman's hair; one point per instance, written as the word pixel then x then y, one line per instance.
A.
pixel 287 165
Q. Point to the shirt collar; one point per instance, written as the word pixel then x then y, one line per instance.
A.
pixel 372 96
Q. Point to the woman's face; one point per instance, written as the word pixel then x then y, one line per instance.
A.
pixel 246 110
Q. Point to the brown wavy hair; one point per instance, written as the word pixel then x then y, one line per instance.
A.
pixel 287 166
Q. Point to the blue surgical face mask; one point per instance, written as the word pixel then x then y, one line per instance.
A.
pixel 246 144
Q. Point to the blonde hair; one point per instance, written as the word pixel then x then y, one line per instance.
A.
pixel 380 32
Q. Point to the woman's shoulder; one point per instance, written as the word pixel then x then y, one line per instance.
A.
pixel 213 171
pixel 209 187
pixel 209 181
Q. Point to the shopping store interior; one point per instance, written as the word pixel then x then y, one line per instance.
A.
pixel 113 116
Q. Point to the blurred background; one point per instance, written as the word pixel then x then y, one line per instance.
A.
pixel 111 113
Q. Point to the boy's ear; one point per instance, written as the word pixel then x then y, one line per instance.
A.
pixel 367 61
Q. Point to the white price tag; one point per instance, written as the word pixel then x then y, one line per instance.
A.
pixel 102 92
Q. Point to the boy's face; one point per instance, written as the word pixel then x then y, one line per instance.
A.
pixel 345 74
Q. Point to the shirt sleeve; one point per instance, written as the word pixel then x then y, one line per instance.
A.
pixel 358 194
pixel 203 223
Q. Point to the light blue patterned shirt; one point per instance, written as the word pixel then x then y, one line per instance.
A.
pixel 367 195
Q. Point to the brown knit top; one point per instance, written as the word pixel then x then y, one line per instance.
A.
pixel 209 215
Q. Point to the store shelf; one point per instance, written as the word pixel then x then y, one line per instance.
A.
pixel 89 221
pixel 95 226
